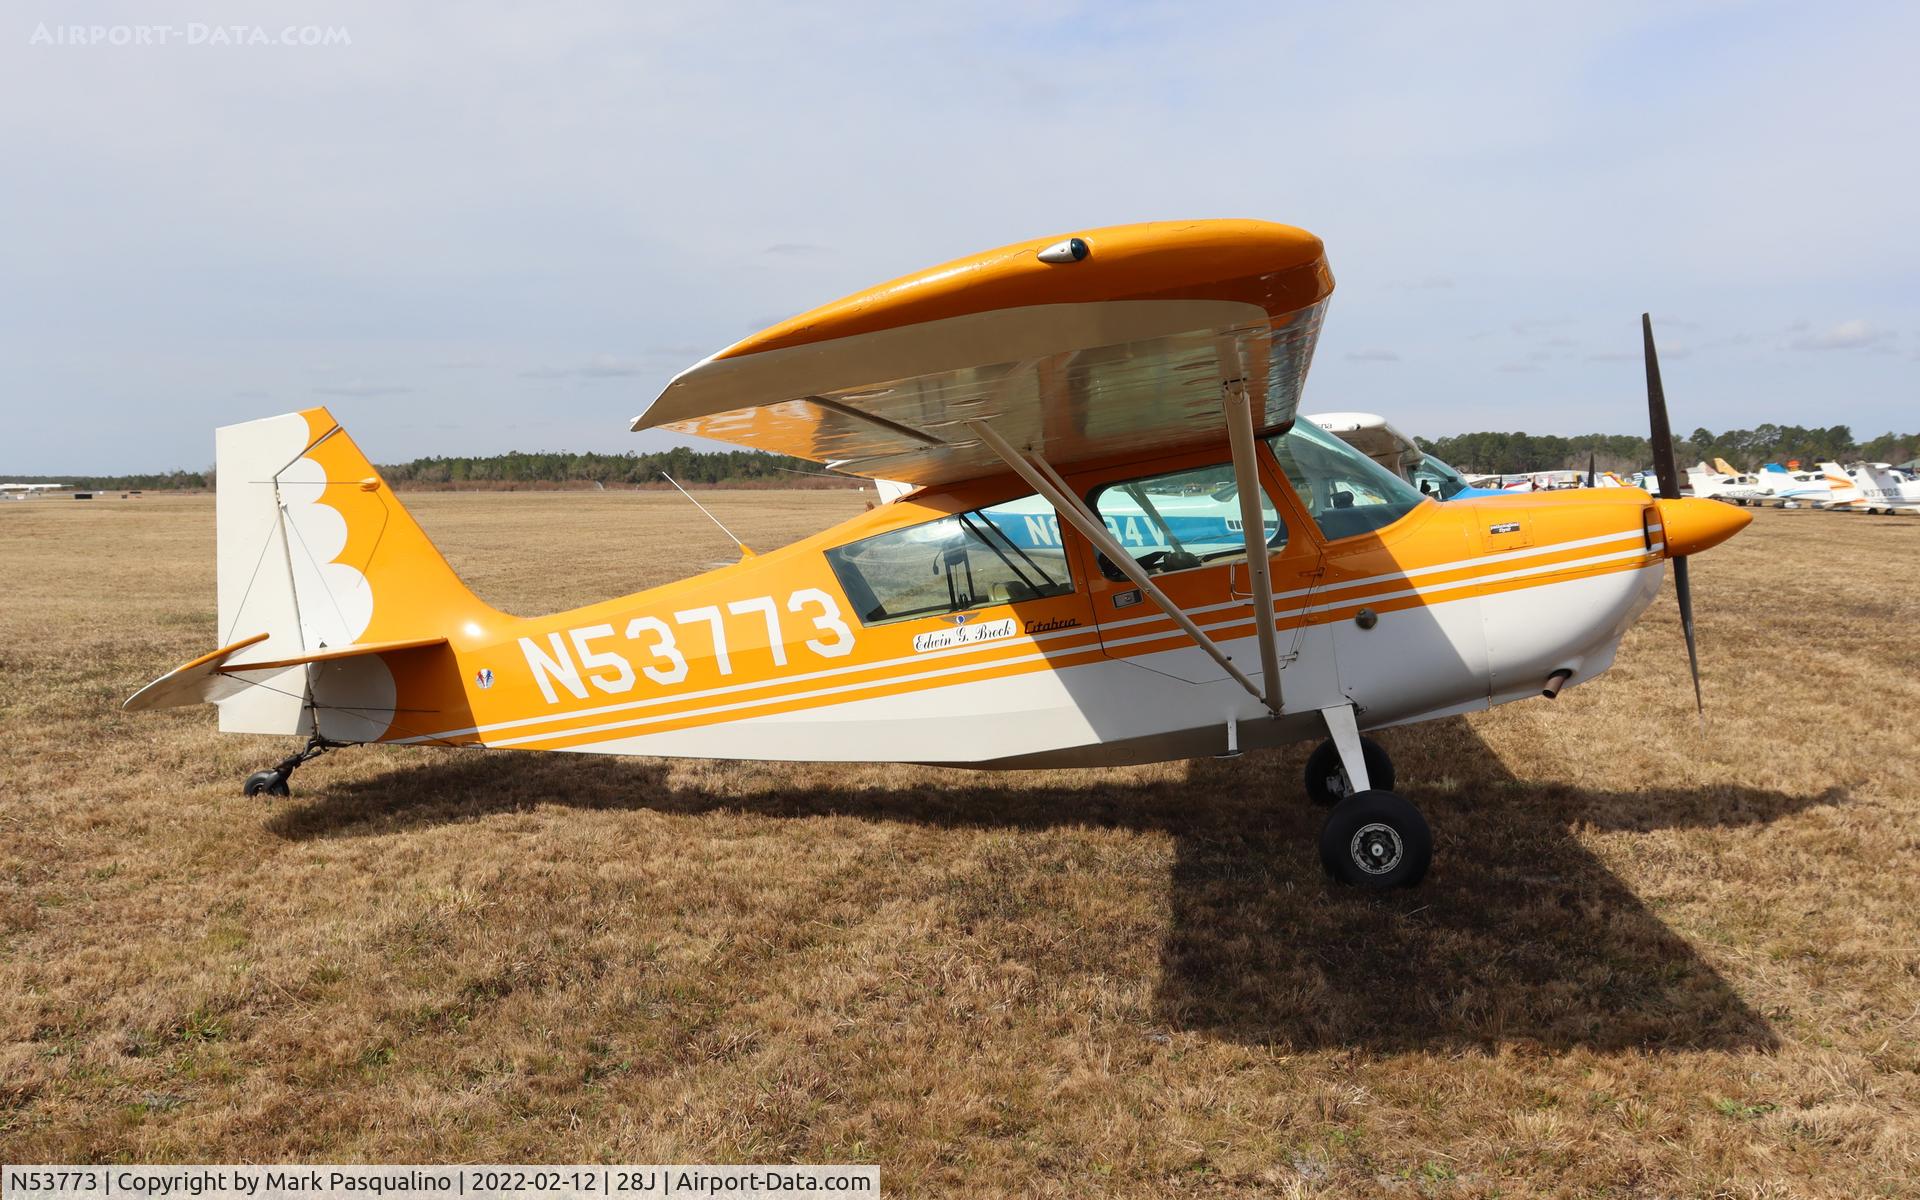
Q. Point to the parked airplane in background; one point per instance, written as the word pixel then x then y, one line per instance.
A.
pixel 1552 481
pixel 20 491
pixel 1885 489
pixel 1870 491
pixel 1722 482
pixel 1103 374
pixel 1375 436
pixel 1798 487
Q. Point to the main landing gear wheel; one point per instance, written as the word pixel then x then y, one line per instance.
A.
pixel 1376 840
pixel 1327 783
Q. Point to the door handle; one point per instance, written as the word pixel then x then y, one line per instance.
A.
pixel 1299 578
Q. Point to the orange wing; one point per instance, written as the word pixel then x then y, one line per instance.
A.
pixel 1077 348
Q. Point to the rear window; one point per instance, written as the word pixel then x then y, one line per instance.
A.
pixel 1003 554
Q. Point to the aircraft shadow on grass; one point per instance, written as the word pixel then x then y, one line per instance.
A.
pixel 1519 936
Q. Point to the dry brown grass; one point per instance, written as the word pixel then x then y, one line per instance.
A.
pixel 1646 962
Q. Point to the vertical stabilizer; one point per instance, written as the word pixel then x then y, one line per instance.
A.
pixel 1846 492
pixel 315 552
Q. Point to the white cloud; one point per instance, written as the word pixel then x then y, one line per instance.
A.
pixel 1385 356
pixel 1847 335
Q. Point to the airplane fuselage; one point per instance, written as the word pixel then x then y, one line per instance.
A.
pixel 1449 609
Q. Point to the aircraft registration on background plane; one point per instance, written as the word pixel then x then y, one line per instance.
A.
pixel 1870 488
pixel 1722 482
pixel 1095 380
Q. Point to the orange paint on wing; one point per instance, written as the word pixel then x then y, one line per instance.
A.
pixel 1278 267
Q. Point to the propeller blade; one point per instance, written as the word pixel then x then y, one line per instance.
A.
pixel 1660 434
pixel 1658 431
pixel 1682 588
pixel 1590 475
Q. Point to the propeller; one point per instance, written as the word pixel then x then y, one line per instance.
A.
pixel 1664 470
pixel 1591 478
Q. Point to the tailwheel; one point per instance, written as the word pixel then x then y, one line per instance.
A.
pixel 1327 782
pixel 271 782
pixel 1376 840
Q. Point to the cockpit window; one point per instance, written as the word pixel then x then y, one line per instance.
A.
pixel 1182 520
pixel 1437 479
pixel 1002 554
pixel 1346 492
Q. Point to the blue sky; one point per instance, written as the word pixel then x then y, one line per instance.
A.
pixel 478 228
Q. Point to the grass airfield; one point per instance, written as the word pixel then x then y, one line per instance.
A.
pixel 1648 961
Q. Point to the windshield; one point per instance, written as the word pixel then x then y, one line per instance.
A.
pixel 1437 479
pixel 1346 492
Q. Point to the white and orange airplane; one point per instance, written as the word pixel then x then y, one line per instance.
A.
pixel 1031 403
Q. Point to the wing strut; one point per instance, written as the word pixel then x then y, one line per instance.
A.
pixel 1253 526
pixel 1042 478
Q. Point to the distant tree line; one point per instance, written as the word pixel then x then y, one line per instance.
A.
pixel 690 467
pixel 159 481
pixel 1476 453
pixel 1518 453
pixel 735 468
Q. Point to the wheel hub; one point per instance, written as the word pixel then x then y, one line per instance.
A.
pixel 1376 848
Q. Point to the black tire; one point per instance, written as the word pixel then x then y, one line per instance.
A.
pixel 267 783
pixel 1376 840
pixel 1327 780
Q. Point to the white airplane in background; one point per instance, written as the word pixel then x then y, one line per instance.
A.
pixel 1886 489
pixel 20 491
pixel 1377 438
pixel 1798 487
pixel 1722 482
pixel 1871 490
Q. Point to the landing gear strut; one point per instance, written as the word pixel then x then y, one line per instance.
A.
pixel 1327 781
pixel 273 781
pixel 1373 838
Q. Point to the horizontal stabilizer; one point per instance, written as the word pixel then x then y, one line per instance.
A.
pixel 214 677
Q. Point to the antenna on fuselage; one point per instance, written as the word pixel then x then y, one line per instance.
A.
pixel 745 550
